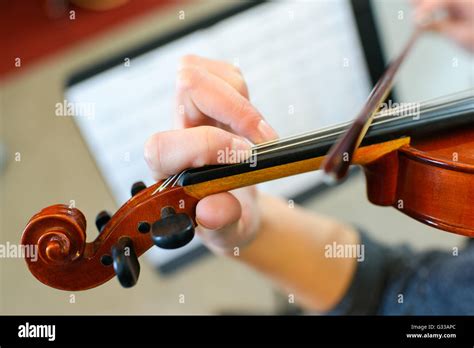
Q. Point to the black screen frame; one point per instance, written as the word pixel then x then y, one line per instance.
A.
pixel 374 58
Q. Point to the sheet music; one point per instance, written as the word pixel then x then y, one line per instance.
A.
pixel 302 61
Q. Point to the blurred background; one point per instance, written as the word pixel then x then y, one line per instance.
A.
pixel 309 64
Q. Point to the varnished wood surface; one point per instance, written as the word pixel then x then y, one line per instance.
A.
pixel 432 180
pixel 362 156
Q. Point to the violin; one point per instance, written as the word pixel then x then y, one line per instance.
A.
pixel 419 160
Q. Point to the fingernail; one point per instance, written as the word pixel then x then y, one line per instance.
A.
pixel 267 132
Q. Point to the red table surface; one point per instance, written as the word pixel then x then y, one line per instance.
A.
pixel 27 32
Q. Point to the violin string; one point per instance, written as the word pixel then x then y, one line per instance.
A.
pixel 319 138
pixel 382 117
pixel 171 180
pixel 177 179
pixel 386 113
pixel 385 117
pixel 164 184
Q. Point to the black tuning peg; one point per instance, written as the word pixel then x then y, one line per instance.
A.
pixel 173 230
pixel 101 220
pixel 137 187
pixel 125 261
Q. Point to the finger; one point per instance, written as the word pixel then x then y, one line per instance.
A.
pixel 226 71
pixel 456 30
pixel 170 152
pixel 218 100
pixel 218 211
pixel 425 9
pixel 429 6
pixel 189 115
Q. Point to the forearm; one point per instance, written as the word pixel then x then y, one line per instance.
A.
pixel 289 248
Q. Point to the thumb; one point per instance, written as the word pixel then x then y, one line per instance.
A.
pixel 218 219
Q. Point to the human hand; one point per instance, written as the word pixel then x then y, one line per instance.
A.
pixel 458 24
pixel 213 108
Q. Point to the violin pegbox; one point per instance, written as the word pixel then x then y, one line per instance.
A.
pixel 154 215
pixel 171 231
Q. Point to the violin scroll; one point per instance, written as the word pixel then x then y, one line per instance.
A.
pixel 59 232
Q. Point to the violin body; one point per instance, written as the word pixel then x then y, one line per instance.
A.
pixel 431 180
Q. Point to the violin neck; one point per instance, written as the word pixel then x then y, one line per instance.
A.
pixel 216 179
pixel 389 131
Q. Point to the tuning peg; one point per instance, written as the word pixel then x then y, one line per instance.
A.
pixel 101 220
pixel 173 230
pixel 137 187
pixel 125 261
